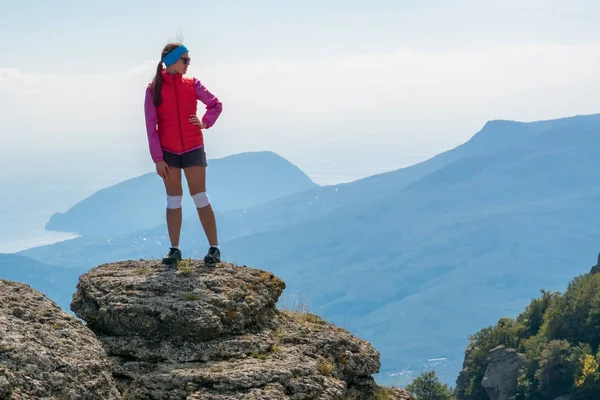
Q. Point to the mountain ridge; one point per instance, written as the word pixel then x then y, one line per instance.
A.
pixel 131 205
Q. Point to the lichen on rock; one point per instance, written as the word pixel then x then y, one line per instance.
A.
pixel 215 333
pixel 46 353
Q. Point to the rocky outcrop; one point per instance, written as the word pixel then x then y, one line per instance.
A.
pixel 500 379
pixel 47 354
pixel 214 333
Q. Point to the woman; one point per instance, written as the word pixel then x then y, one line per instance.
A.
pixel 175 138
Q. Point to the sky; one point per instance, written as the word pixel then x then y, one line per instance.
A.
pixel 340 88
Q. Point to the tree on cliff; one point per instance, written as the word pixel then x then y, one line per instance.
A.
pixel 428 387
pixel 559 336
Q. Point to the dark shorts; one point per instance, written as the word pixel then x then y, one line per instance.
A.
pixel 190 159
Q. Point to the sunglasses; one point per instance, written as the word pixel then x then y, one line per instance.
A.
pixel 186 60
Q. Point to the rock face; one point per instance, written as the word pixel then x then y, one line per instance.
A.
pixel 47 354
pixel 500 379
pixel 596 268
pixel 214 333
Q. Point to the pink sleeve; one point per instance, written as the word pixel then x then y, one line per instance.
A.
pixel 213 105
pixel 151 128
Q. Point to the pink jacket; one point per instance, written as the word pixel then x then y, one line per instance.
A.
pixel 214 107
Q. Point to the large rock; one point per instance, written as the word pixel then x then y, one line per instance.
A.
pixel 125 298
pixel 47 354
pixel 215 333
pixel 502 373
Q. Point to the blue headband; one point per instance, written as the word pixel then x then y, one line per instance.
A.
pixel 174 55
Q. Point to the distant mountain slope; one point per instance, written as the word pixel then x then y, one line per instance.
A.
pixel 56 283
pixel 233 182
pixel 493 137
pixel 153 243
pixel 420 270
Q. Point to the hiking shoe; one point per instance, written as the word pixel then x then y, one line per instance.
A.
pixel 173 257
pixel 213 256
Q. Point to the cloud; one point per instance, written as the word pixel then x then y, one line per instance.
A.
pixel 414 95
pixel 423 82
pixel 81 109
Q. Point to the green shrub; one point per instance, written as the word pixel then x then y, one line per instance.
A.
pixel 428 387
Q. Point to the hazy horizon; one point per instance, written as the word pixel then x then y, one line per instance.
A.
pixel 347 81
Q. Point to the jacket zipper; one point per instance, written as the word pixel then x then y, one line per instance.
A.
pixel 178 114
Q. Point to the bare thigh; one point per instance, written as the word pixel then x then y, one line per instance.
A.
pixel 196 179
pixel 173 184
